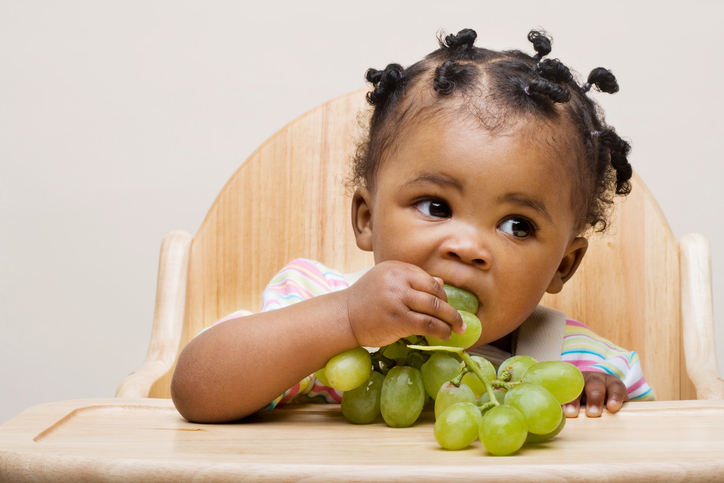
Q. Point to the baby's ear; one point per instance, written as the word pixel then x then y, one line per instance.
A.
pixel 569 264
pixel 362 218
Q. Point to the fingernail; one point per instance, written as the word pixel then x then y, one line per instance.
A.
pixel 464 328
pixel 593 411
pixel 570 411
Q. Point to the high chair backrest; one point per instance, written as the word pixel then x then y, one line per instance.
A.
pixel 288 200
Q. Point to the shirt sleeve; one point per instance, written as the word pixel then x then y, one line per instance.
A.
pixel 589 352
pixel 299 280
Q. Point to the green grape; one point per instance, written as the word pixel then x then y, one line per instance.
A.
pixel 464 340
pixel 503 430
pixel 439 368
pixel 403 396
pixel 539 407
pixel 450 394
pixel 396 351
pixel 349 369
pixel 539 438
pixel 322 377
pixel 458 425
pixel 416 359
pixel 499 396
pixel 474 381
pixel 516 366
pixel 361 405
pixel 562 379
pixel 461 299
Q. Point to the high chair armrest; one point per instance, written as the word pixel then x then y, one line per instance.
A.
pixel 168 317
pixel 698 317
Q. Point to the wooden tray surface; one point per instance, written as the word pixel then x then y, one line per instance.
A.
pixel 146 439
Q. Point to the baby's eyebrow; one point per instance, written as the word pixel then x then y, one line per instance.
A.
pixel 435 178
pixel 521 199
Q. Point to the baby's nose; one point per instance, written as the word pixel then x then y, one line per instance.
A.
pixel 469 247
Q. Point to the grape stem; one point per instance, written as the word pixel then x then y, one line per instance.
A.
pixel 473 366
pixel 469 362
pixel 459 378
pixel 497 383
pixel 488 405
pixel 456 350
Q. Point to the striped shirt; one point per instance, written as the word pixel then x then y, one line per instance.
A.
pixel 302 279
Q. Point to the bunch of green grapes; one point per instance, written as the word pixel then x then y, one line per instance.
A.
pixel 521 404
pixel 517 403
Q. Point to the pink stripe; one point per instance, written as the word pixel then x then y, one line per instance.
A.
pixel 587 366
pixel 637 385
pixel 229 317
pixel 625 360
pixel 293 391
pixel 336 284
pixel 606 361
pixel 320 389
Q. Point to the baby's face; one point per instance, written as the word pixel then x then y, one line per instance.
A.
pixel 487 213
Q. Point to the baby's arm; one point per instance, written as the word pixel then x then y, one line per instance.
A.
pixel 240 365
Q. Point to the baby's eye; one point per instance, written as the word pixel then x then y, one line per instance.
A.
pixel 436 208
pixel 518 227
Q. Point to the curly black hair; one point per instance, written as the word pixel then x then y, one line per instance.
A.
pixel 500 88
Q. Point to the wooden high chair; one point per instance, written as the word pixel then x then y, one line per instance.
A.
pixel 637 286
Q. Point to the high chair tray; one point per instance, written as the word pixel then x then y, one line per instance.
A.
pixel 147 440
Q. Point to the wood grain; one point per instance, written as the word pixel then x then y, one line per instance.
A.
pixel 147 440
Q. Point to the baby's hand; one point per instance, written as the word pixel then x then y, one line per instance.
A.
pixel 395 300
pixel 600 389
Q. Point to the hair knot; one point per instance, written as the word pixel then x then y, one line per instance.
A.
pixel 554 71
pixel 603 79
pixel 541 43
pixel 451 74
pixel 544 89
pixel 617 149
pixel 385 83
pixel 463 40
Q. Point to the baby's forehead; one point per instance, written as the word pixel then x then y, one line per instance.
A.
pixel 554 133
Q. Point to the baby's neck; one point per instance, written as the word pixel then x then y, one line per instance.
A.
pixel 505 343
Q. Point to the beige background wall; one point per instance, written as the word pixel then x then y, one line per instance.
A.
pixel 121 121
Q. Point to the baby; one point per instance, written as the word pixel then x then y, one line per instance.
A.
pixel 481 169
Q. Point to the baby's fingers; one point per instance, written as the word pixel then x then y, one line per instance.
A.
pixel 572 409
pixel 430 299
pixel 617 394
pixel 595 393
pixel 603 390
pixel 433 316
